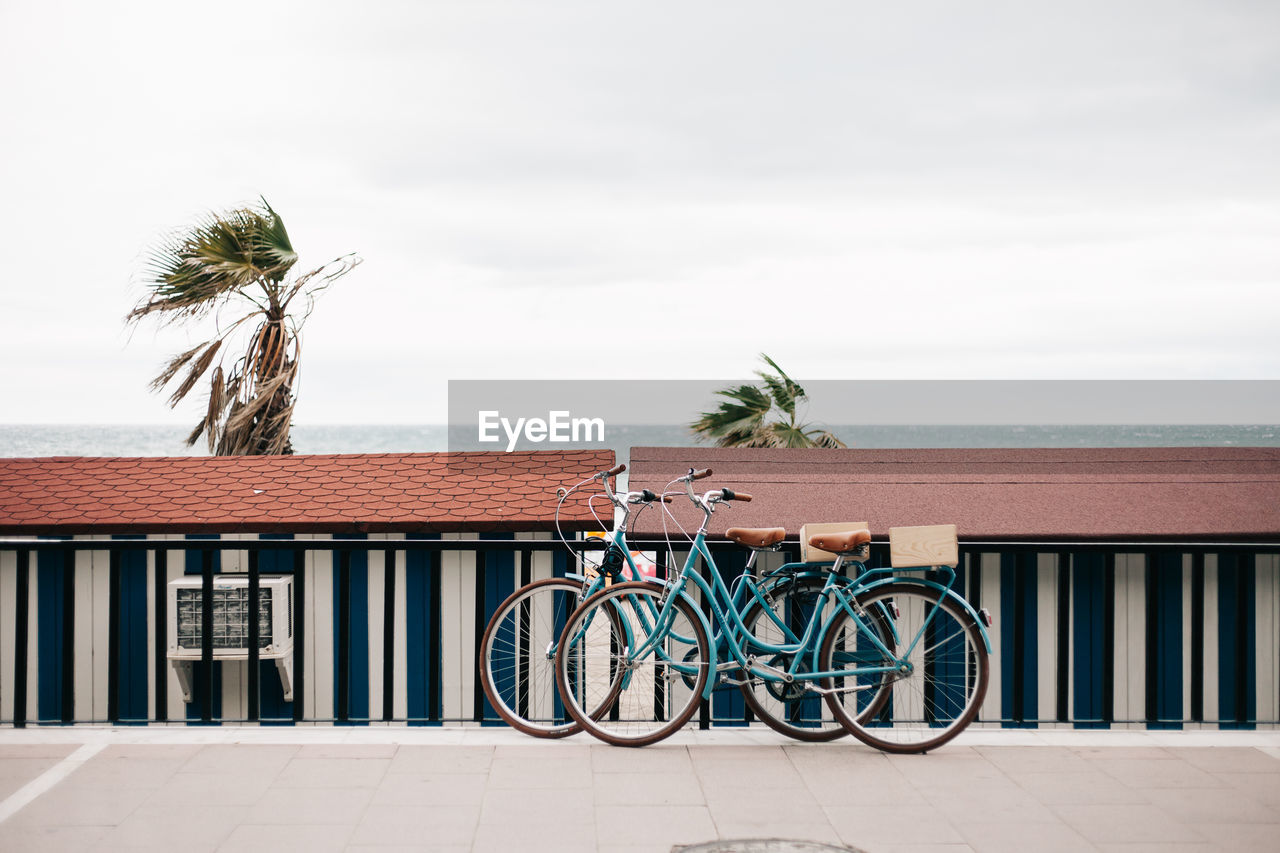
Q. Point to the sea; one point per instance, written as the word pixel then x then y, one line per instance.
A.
pixel 26 440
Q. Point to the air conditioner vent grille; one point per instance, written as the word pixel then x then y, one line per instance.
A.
pixel 230 618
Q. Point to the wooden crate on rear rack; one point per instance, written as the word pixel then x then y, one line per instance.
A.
pixel 930 545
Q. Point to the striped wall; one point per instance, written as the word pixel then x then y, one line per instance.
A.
pixel 1086 639
pixel 438 600
pixel 1117 640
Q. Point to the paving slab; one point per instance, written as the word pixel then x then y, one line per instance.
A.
pixel 388 788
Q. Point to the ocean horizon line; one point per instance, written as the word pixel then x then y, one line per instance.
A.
pixel 41 440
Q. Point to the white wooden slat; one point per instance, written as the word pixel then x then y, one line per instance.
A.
pixel 234 689
pixel 33 640
pixel 465 648
pixel 989 584
pixel 376 596
pixel 452 594
pixel 101 583
pixel 317 602
pixel 1267 621
pixel 1047 636
pixel 8 617
pixel 1130 632
pixel 82 616
pixel 400 706
pixel 1069 592
pixel 175 567
pixel 235 674
pixel 1120 649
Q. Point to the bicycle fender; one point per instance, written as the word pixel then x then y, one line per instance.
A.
pixel 711 646
pixel 937 587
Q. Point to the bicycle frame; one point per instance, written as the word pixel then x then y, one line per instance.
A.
pixel 727 629
pixel 727 608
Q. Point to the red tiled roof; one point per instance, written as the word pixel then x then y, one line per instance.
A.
pixel 391 492
pixel 1071 494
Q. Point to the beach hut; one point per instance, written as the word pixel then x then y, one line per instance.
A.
pixel 383 568
pixel 1129 587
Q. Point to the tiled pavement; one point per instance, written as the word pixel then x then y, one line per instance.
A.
pixel 387 789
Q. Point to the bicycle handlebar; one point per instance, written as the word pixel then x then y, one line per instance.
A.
pixel 731 495
pixel 698 475
pixel 614 471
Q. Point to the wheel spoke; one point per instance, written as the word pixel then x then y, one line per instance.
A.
pixel 947 676
pixel 633 678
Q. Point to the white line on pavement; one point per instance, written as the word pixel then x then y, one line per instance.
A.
pixel 46 780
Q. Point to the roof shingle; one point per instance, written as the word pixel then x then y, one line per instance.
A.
pixel 1069 494
pixel 409 492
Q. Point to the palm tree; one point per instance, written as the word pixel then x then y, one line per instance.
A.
pixel 235 267
pixel 741 419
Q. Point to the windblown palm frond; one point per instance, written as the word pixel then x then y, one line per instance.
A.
pixel 193 271
pixel 736 421
pixel 742 419
pixel 241 259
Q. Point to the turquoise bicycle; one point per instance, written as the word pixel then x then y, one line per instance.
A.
pixel 518 647
pixel 902 662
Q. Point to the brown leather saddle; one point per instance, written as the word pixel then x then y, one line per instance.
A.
pixel 756 537
pixel 840 543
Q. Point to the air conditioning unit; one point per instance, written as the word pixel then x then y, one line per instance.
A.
pixel 231 624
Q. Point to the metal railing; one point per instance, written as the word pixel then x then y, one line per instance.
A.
pixel 343 549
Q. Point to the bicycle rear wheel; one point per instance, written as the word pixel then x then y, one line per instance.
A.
pixel 517 657
pixel 788 708
pixel 937 674
pixel 618 696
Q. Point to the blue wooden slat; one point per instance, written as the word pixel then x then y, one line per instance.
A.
pixel 51 631
pixel 358 639
pixel 728 708
pixel 560 568
pixel 498 583
pixel 947 665
pixel 1237 629
pixel 191 566
pixel 133 652
pixel 1019 640
pixel 1088 629
pixel 273 709
pixel 423 670
pixel 1164 633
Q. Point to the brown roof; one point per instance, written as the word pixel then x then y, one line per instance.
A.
pixel 388 492
pixel 1073 494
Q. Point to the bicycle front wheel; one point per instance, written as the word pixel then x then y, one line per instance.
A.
pixel 936 673
pixel 629 673
pixel 517 657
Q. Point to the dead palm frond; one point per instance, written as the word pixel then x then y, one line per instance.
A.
pixel 238 263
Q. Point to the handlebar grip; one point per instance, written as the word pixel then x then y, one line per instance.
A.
pixel 737 496
pixel 666 499
pixel 615 470
pixel 698 475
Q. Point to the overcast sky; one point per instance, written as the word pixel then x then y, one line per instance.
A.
pixel 651 190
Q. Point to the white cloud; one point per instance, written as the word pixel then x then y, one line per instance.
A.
pixel 928 190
